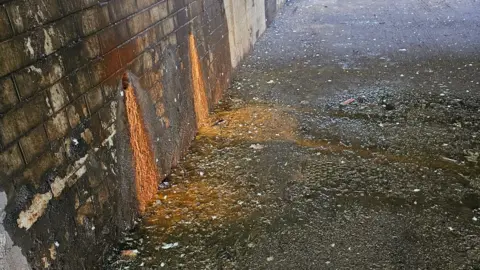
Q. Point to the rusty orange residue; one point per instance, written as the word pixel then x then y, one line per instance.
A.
pixel 146 173
pixel 199 95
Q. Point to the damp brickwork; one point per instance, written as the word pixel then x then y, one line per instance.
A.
pixel 66 163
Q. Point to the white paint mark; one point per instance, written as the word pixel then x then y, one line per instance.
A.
pixel 39 204
pixel 35 69
pixel 74 173
pixel 47 44
pixel 29 48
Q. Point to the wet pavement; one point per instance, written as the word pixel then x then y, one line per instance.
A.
pixel 350 139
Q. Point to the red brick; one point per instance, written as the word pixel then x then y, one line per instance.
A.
pixel 103 68
pixel 34 143
pixel 11 160
pixel 8 96
pixel 113 36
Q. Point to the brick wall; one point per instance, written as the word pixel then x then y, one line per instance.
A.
pixel 65 160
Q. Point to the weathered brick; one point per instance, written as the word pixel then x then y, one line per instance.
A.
pixel 156 92
pixel 120 9
pixel 77 111
pixel 142 63
pixel 17 52
pixel 168 25
pixel 182 16
pixel 108 114
pixel 111 85
pixel 57 127
pixel 139 22
pixel 38 167
pixel 5 28
pixel 57 35
pixel 27 14
pixel 11 160
pixel 131 49
pixel 39 75
pixel 19 121
pixel 73 6
pixel 113 36
pixel 8 96
pixel 80 82
pixel 194 8
pixel 159 12
pixel 95 99
pixel 141 4
pixel 57 96
pixel 93 19
pixel 175 5
pixel 106 66
pixel 34 143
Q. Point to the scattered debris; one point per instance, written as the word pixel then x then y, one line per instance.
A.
pixel 402 50
pixel 348 101
pixel 131 253
pixel 257 146
pixel 219 122
pixel 271 81
pixel 169 246
pixel 471 156
pixel 164 184
pixel 450 159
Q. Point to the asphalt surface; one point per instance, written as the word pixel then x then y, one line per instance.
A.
pixel 288 177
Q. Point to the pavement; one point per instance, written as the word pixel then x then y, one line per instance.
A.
pixel 350 139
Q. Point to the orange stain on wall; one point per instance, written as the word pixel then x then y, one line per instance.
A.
pixel 146 173
pixel 199 95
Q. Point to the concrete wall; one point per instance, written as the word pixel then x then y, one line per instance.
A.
pixel 66 162
pixel 247 20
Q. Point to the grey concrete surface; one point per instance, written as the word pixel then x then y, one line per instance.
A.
pixel 11 257
pixel 288 177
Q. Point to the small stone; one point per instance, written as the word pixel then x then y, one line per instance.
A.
pixel 269 259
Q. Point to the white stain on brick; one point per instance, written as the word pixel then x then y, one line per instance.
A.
pixel 58 96
pixel 74 173
pixel 109 141
pixel 29 48
pixel 39 204
pixel 17 18
pixel 40 201
pixel 35 69
pixel 47 44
